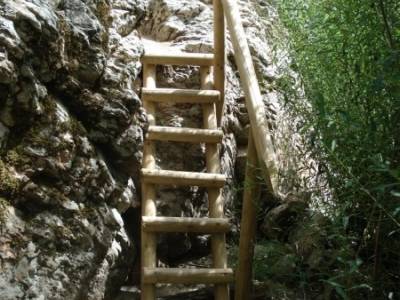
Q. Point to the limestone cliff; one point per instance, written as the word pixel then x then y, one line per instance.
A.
pixel 71 134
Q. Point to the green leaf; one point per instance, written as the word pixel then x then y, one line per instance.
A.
pixel 333 145
pixel 338 288
pixel 361 286
pixel 395 194
pixel 346 221
pixel 396 211
pixel 341 292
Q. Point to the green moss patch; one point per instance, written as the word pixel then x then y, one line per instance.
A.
pixel 8 183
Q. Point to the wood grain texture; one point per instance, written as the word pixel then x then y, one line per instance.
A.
pixel 180 95
pixel 219 57
pixel 187 276
pixel 248 225
pixel 254 101
pixel 178 58
pixel 189 135
pixel 215 199
pixel 180 178
pixel 148 240
pixel 180 224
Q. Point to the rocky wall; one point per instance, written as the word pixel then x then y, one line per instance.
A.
pixel 71 137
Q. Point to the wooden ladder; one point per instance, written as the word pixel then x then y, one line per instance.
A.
pixel 211 97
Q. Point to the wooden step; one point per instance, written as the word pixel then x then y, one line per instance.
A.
pixel 189 135
pixel 187 276
pixel 178 58
pixel 179 224
pixel 164 177
pixel 180 96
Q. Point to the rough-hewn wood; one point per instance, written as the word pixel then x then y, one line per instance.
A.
pixel 188 276
pixel 189 135
pixel 215 199
pixel 180 95
pixel 219 57
pixel 166 177
pixel 254 100
pixel 248 224
pixel 180 224
pixel 148 246
pixel 178 58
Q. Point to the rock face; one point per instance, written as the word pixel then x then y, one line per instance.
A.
pixel 71 130
pixel 71 135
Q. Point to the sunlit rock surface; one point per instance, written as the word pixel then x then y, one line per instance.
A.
pixel 71 136
pixel 71 131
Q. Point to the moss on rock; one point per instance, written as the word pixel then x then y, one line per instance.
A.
pixel 8 182
pixel 3 206
pixel 16 158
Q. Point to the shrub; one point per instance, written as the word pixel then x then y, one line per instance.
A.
pixel 347 54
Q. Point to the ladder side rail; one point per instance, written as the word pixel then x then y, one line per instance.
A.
pixel 215 199
pixel 219 57
pixel 148 240
pixel 254 101
pixel 248 225
pixel 261 152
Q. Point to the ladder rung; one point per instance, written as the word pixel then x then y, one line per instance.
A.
pixel 184 134
pixel 187 276
pixel 179 224
pixel 178 58
pixel 165 177
pixel 180 95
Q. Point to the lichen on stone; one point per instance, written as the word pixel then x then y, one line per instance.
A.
pixel 9 184
pixel 4 203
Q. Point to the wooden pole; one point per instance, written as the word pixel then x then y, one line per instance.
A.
pixel 215 200
pixel 219 57
pixel 149 244
pixel 187 135
pixel 188 276
pixel 179 58
pixel 254 100
pixel 248 225
pixel 166 177
pixel 180 96
pixel 180 224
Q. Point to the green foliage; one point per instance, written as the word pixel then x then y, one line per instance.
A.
pixel 273 259
pixel 316 259
pixel 347 53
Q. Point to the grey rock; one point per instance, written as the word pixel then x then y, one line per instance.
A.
pixel 7 70
pixel 72 128
pixel 278 220
pixel 4 131
pixel 64 241
pixel 129 197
